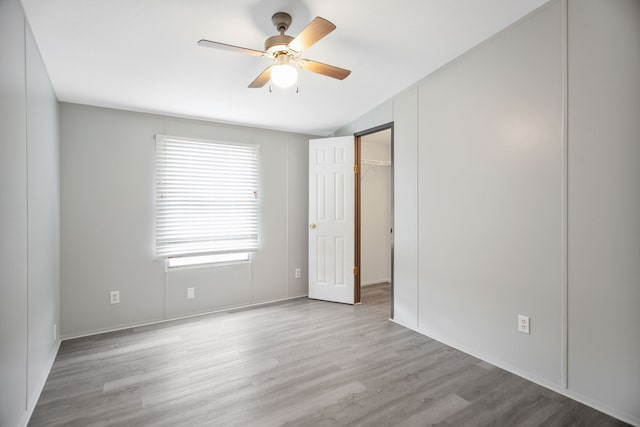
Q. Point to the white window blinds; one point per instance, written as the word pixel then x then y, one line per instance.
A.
pixel 206 197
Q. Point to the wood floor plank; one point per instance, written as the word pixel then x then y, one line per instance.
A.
pixel 294 363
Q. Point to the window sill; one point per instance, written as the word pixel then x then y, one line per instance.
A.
pixel 206 261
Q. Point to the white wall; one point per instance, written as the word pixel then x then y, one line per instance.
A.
pixel 107 159
pixel 490 199
pixel 405 206
pixel 481 176
pixel 375 209
pixel 29 219
pixel 43 194
pixel 604 203
pixel 13 244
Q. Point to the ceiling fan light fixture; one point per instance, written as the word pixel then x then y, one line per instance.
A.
pixel 286 51
pixel 284 74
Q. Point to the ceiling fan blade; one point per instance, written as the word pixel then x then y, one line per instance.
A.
pixel 324 69
pixel 230 48
pixel 317 29
pixel 262 79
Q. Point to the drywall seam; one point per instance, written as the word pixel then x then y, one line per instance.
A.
pixel 417 206
pixel 287 206
pixel 166 290
pixel 564 301
pixel 26 157
pixel 166 273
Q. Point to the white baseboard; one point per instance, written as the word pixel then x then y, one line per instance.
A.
pixel 31 404
pixel 404 324
pixel 375 282
pixel 531 377
pixel 171 319
pixel 526 375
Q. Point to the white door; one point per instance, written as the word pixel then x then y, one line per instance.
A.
pixel 331 219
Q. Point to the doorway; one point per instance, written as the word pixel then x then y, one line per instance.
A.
pixel 337 171
pixel 374 209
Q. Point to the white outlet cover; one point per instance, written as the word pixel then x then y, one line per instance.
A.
pixel 191 293
pixel 523 324
pixel 298 273
pixel 115 297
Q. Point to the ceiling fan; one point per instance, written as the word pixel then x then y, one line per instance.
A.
pixel 286 52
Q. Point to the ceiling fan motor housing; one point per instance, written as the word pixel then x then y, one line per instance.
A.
pixel 279 44
pixel 275 44
pixel 281 20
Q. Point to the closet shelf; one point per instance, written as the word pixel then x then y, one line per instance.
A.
pixel 375 162
pixel 367 164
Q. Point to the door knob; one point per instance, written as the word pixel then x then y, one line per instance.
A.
pixel 312 226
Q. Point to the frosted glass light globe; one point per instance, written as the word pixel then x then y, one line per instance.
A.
pixel 284 75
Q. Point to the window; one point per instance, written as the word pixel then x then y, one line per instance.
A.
pixel 206 200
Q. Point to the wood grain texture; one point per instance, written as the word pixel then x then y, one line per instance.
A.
pixel 262 79
pixel 230 48
pixel 314 31
pixel 324 69
pixel 293 363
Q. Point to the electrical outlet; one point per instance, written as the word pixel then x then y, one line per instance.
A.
pixel 298 273
pixel 55 332
pixel 523 324
pixel 191 293
pixel 115 297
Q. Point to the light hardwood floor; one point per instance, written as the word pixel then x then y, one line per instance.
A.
pixel 297 363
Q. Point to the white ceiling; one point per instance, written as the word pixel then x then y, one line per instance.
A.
pixel 142 55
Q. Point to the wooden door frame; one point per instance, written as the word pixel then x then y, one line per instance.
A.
pixel 357 159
